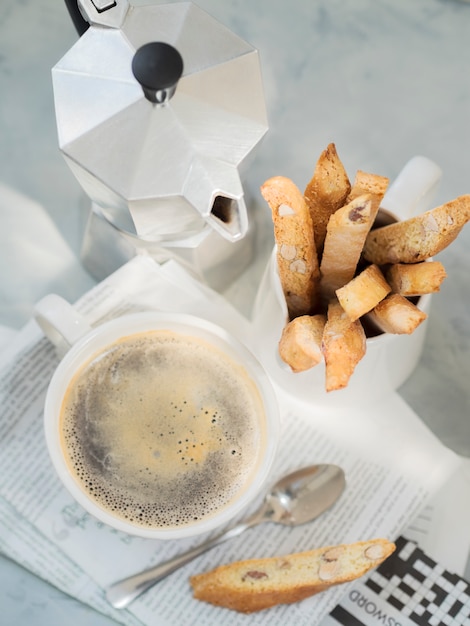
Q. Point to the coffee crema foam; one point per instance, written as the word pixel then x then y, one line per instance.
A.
pixel 162 429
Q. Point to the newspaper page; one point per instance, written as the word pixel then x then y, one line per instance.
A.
pixel 23 543
pixel 387 483
pixel 441 528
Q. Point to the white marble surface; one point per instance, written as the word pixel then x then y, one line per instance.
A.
pixel 384 80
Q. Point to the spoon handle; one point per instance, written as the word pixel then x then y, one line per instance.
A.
pixel 123 592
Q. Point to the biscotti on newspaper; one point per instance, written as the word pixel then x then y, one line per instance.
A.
pixel 257 584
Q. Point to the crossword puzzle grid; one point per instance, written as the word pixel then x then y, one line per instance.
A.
pixel 421 589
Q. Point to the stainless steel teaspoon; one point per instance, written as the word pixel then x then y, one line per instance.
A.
pixel 295 499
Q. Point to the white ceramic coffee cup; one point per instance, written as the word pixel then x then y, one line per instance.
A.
pixel 389 359
pixel 67 329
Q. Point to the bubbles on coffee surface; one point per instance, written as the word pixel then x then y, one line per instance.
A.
pixel 162 429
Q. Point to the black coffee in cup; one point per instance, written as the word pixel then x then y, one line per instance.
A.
pixel 162 429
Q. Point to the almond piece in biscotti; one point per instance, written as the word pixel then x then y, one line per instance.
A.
pixel 375 552
pixel 326 192
pixel 329 570
pixel 330 566
pixel 296 254
pixel 419 237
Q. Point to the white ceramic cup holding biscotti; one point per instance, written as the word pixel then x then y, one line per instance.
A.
pixel 390 358
pixel 160 425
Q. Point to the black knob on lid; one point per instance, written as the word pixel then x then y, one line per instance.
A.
pixel 158 67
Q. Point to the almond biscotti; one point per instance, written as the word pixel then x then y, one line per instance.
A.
pixel 326 191
pixel 257 584
pixel 416 279
pixel 363 292
pixel 343 346
pixel 420 237
pixel 296 253
pixel 300 345
pixel 345 236
pixel 396 315
pixel 371 184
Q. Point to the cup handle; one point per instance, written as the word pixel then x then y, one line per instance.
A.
pixel 412 191
pixel 59 321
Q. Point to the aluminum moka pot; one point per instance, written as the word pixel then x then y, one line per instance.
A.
pixel 157 106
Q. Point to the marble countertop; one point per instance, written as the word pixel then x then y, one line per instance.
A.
pixel 383 80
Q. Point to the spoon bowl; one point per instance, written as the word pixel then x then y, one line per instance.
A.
pixel 297 498
pixel 302 496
